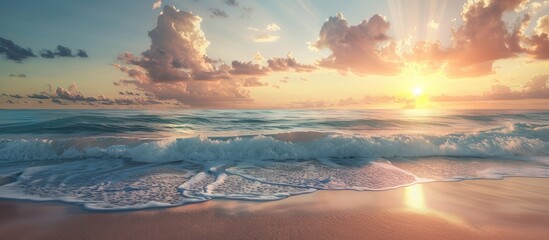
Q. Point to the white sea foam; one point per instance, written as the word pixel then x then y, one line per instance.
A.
pixel 116 173
pixel 507 142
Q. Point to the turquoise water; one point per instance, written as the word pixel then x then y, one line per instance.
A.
pixel 126 159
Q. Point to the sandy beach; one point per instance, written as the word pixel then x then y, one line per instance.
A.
pixel 514 208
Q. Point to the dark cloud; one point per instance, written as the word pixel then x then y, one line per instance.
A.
pixel 218 13
pixel 63 51
pixel 47 54
pixel 15 96
pixel 41 95
pixel 81 53
pixel 13 51
pixel 128 93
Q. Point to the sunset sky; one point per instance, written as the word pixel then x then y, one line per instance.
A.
pixel 274 54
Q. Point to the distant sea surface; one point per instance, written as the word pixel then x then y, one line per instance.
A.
pixel 127 159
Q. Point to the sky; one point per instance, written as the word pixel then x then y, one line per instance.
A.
pixel 395 54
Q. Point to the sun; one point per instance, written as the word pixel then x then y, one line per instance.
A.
pixel 417 91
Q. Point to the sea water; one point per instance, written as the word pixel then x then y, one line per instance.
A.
pixel 133 159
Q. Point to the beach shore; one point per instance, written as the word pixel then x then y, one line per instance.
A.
pixel 514 208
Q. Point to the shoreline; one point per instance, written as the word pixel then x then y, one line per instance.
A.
pixel 510 208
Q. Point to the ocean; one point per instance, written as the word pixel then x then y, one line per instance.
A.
pixel 135 159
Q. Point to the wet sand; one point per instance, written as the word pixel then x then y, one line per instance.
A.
pixel 514 208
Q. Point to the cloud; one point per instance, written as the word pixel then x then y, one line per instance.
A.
pixel 157 4
pixel 176 66
pixel 535 88
pixel 13 51
pixel 232 3
pixel 481 39
pixel 81 53
pixel 257 57
pixel 47 54
pixel 310 104
pixel 358 48
pixel 266 34
pixel 288 63
pixel 15 96
pixel 217 13
pixel 265 37
pixel 21 75
pixel 253 82
pixel 247 68
pixel 41 95
pixel 273 27
pixel 539 41
pixel 71 95
pixel 178 48
pixel 63 51
pixel 129 93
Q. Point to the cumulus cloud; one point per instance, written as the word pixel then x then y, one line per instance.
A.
pixel 13 51
pixel 481 39
pixel 176 67
pixel 178 48
pixel 359 48
pixel 539 41
pixel 218 13
pixel 157 4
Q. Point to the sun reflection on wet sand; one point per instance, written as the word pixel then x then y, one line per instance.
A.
pixel 414 198
pixel 415 201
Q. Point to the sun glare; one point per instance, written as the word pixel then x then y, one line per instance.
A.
pixel 417 91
